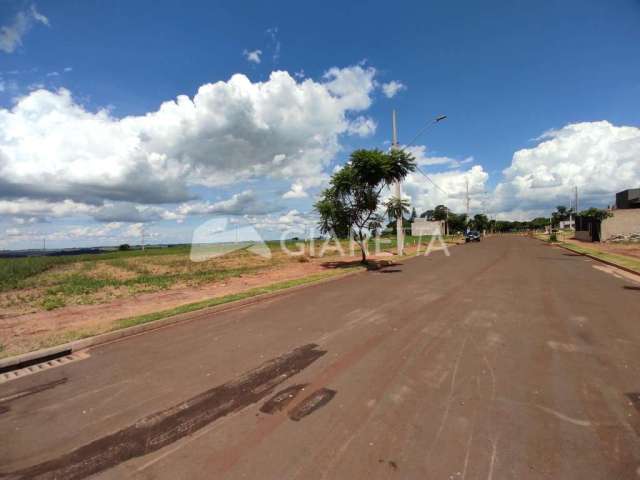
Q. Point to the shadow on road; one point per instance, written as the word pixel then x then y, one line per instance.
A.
pixel 371 264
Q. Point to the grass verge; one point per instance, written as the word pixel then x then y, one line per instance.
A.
pixel 214 302
pixel 71 335
pixel 620 260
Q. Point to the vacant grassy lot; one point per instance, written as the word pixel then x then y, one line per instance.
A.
pixel 46 283
pixel 49 300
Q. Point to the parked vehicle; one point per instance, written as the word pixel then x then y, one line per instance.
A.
pixel 472 236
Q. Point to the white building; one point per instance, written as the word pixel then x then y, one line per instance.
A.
pixel 423 227
pixel 567 224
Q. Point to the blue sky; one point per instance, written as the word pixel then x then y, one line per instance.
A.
pixel 541 96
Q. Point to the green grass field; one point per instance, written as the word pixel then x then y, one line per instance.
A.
pixel 37 284
pixel 14 271
pixel 49 282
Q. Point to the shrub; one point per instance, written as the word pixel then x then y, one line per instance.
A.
pixel 51 302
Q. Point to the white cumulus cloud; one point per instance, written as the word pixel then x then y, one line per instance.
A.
pixel 392 88
pixel 297 191
pixel 450 191
pixel 253 56
pixel 229 131
pixel 597 157
pixel 423 159
pixel 244 203
pixel 363 127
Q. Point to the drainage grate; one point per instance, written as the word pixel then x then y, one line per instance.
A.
pixel 39 367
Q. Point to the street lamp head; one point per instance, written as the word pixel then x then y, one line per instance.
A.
pixel 440 118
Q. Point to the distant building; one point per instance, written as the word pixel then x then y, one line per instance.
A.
pixel 622 225
pixel 567 224
pixel 628 199
pixel 424 227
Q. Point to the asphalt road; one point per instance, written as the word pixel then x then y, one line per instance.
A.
pixel 508 359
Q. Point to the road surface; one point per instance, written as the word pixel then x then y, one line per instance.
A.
pixel 508 359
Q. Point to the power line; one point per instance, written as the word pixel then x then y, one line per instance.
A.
pixel 424 129
pixel 432 182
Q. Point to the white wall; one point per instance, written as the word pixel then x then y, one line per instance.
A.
pixel 420 226
pixel 624 222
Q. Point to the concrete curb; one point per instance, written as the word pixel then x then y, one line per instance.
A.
pixel 606 262
pixel 116 335
pixel 108 337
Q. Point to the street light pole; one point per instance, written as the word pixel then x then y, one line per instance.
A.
pixel 398 187
pixel 466 182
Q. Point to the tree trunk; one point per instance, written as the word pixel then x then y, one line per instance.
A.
pixel 362 248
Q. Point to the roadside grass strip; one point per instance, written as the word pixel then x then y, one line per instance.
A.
pixel 67 336
pixel 214 302
pixel 619 260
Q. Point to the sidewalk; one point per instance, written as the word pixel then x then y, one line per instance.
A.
pixel 623 255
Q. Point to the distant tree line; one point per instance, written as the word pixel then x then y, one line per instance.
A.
pixel 563 213
pixel 350 205
pixel 457 222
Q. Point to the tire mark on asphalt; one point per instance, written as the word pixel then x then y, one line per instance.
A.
pixel 452 386
pixel 32 390
pixel 224 460
pixel 494 455
pixel 163 428
pixel 400 359
pixel 561 416
pixel 6 401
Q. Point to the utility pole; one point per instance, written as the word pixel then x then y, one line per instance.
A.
pixel 446 220
pixel 398 188
pixel 142 235
pixel 570 213
pixel 571 207
pixel 466 181
pixel 575 227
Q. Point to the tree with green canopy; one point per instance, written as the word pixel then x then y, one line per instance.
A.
pixel 440 212
pixel 480 222
pixel 350 203
pixel 427 214
pixel 396 208
pixel 562 213
pixel 457 222
pixel 597 213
